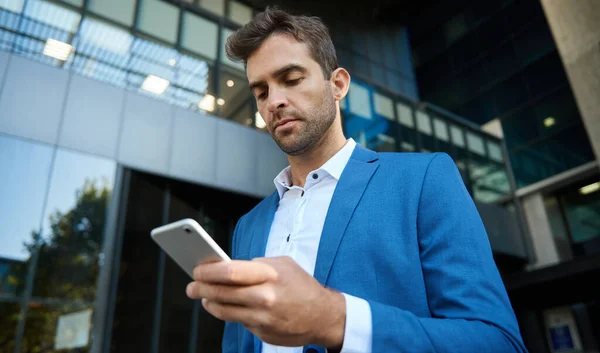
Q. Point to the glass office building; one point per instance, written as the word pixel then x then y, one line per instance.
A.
pixel 120 116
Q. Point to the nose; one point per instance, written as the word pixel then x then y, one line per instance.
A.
pixel 277 100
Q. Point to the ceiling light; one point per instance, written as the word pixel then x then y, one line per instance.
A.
pixel 259 121
pixel 57 49
pixel 220 101
pixel 207 103
pixel 549 121
pixel 155 84
pixel 172 62
pixel 588 189
pixel 230 83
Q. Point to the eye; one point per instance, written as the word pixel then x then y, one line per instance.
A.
pixel 261 96
pixel 293 82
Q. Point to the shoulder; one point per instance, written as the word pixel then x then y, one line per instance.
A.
pixel 414 161
pixel 260 209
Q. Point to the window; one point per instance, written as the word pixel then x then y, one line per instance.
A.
pixel 408 135
pixel 78 3
pixel 224 59
pixel 215 6
pixel 441 130
pixel 360 104
pixel 200 35
pixel 104 52
pixel 475 143
pixel 425 131
pixel 23 182
pixel 581 207
pixel 73 226
pixel 159 19
pixel 239 13
pixel 384 106
pixel 121 11
pixel 12 5
pixel 457 136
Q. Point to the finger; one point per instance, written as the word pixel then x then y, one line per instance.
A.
pixel 255 296
pixel 234 313
pixel 235 272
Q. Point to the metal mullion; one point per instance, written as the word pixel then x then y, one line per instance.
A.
pixel 116 265
pixel 161 278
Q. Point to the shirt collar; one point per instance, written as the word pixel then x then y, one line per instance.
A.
pixel 334 167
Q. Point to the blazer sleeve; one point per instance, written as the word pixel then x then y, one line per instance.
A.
pixel 470 309
pixel 230 341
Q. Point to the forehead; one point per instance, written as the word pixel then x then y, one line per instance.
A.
pixel 278 51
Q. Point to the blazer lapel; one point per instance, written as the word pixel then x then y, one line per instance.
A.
pixel 347 194
pixel 258 243
pixel 262 227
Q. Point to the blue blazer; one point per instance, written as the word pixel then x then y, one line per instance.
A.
pixel 403 233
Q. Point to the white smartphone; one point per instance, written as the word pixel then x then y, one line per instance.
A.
pixel 188 244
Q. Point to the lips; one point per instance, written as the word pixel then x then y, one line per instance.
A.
pixel 285 123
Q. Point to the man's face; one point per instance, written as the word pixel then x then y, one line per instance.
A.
pixel 293 97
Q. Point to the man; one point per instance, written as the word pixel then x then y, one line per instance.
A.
pixel 355 251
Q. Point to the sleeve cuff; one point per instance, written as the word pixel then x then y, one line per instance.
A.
pixel 358 333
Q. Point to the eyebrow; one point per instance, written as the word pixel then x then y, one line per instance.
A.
pixel 279 73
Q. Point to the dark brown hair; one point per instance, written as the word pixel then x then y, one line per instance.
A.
pixel 309 30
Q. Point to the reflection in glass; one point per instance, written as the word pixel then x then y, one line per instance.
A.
pixel 12 5
pixel 159 19
pixel 459 152
pixel 408 135
pixel 54 328
pixel 118 10
pixel 177 309
pixel 224 59
pixel 23 182
pixel 425 131
pixel 489 179
pixel 103 52
pixel 236 100
pixel 48 29
pixel 136 289
pixel 205 45
pixel 582 212
pixel 215 6
pixel 9 317
pixel 73 226
pixel 239 12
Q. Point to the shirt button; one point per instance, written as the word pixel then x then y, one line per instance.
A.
pixel 315 176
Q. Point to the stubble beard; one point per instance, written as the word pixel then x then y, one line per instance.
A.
pixel 309 130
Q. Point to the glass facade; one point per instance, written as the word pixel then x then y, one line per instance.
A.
pixel 385 122
pixel 150 290
pixel 53 213
pixel 497 60
pixel 51 254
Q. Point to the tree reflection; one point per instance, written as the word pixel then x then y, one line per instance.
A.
pixel 66 271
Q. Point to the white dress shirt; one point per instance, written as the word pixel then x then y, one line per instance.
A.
pixel 296 232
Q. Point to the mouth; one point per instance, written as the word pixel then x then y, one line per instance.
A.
pixel 286 123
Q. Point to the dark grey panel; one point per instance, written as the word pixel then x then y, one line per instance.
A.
pixel 503 230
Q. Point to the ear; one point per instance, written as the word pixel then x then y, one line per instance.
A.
pixel 340 83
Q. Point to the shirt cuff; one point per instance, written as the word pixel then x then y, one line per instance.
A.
pixel 358 333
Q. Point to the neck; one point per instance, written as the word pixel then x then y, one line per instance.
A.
pixel 331 143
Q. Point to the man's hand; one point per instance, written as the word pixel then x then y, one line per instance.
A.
pixel 274 298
